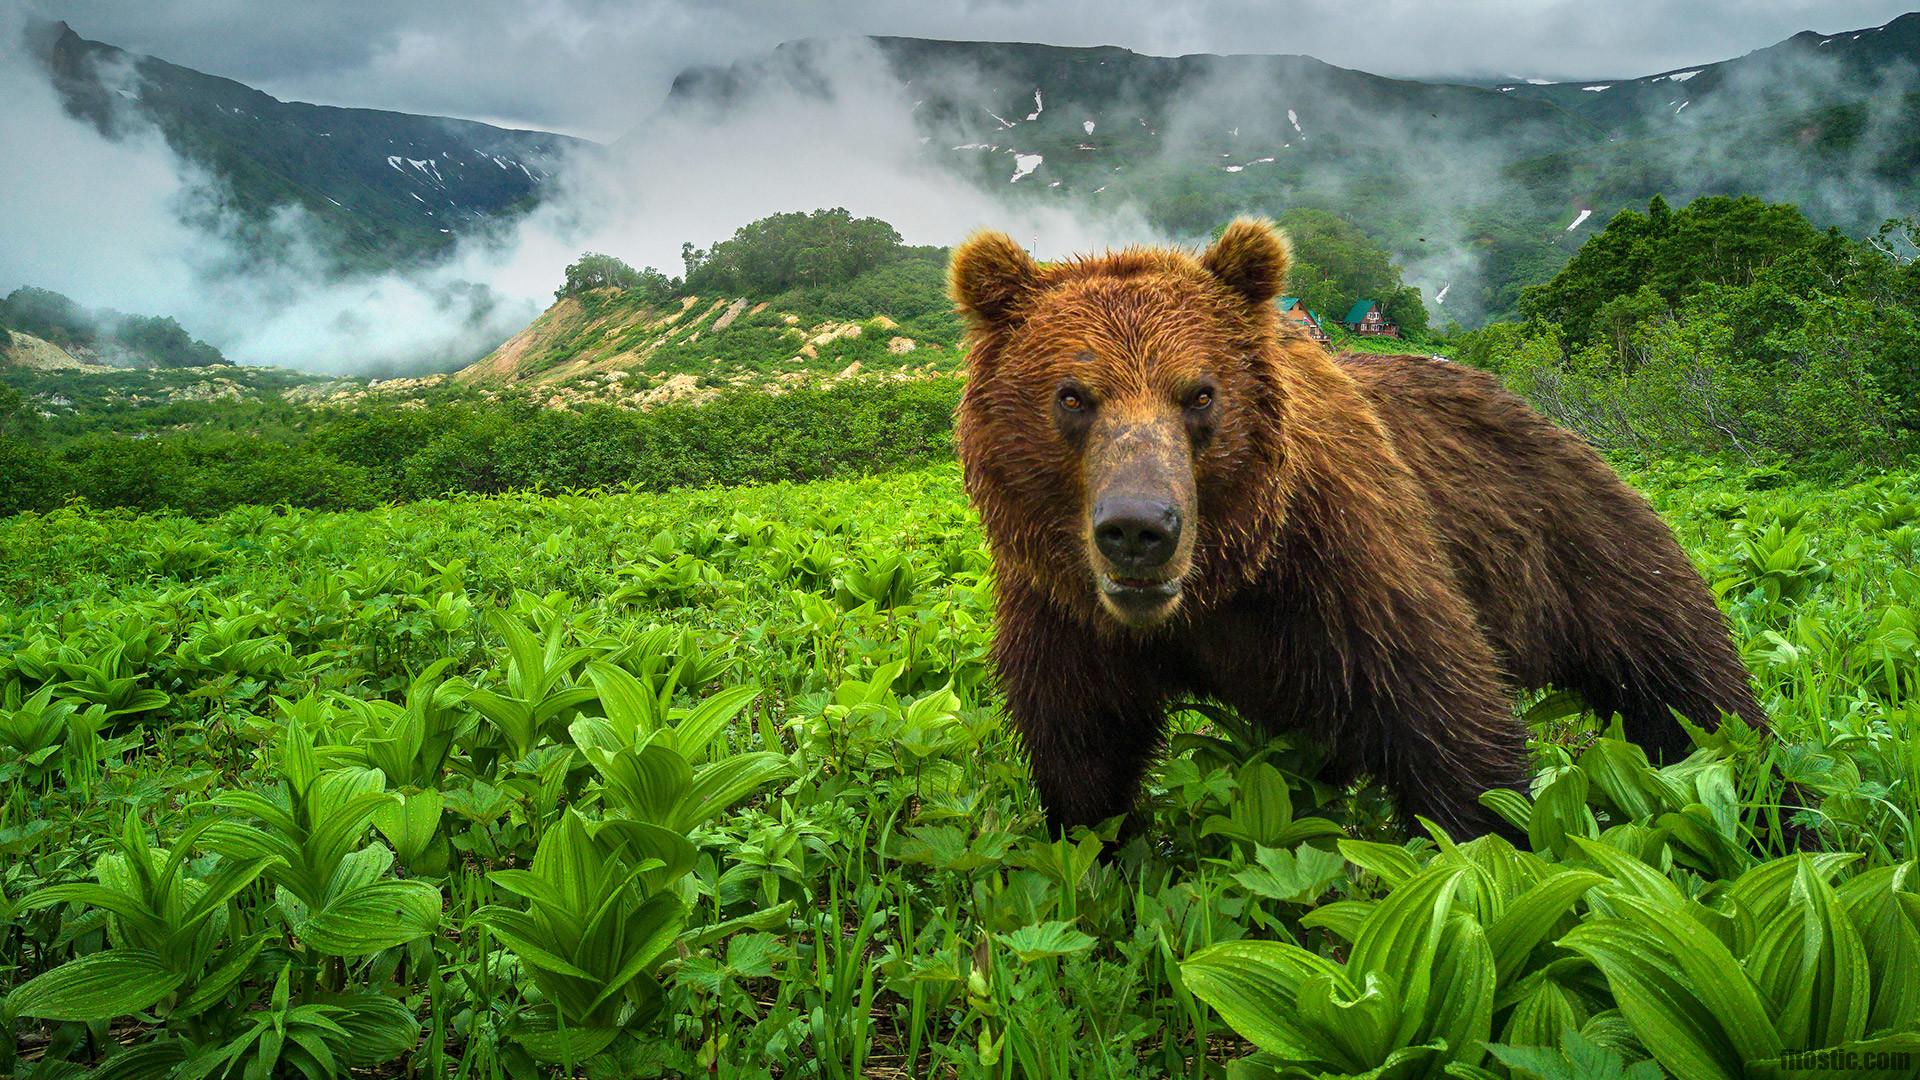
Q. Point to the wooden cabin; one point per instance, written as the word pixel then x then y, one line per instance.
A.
pixel 1293 309
pixel 1367 319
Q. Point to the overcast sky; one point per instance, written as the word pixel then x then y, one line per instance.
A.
pixel 592 67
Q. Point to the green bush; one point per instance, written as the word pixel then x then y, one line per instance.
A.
pixel 1729 328
pixel 358 457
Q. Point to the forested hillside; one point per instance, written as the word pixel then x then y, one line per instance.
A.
pixel 1728 327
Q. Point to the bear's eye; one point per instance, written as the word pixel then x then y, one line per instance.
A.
pixel 1071 399
pixel 1200 400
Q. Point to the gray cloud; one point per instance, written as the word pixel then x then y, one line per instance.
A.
pixel 593 66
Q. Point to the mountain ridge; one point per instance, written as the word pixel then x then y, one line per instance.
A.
pixel 1477 188
pixel 384 187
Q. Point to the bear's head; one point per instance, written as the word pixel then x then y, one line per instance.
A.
pixel 1121 424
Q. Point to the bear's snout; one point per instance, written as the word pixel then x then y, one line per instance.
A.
pixel 1142 515
pixel 1138 536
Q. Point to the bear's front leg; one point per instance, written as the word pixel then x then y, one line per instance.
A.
pixel 1089 709
pixel 1439 747
pixel 1428 713
pixel 1427 710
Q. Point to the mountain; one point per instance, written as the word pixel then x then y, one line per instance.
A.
pixel 1478 189
pixel 1808 68
pixel 383 187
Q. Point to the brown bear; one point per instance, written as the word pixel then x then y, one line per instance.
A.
pixel 1187 497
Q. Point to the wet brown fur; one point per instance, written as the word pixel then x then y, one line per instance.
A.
pixel 1384 548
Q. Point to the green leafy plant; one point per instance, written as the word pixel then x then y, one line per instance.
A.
pixel 165 929
pixel 591 937
pixel 333 892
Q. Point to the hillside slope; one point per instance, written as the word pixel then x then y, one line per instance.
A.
pixel 22 350
pixel 609 345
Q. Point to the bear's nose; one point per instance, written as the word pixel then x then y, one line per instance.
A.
pixel 1136 534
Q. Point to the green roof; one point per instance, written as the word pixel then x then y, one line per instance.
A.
pixel 1360 309
pixel 1286 302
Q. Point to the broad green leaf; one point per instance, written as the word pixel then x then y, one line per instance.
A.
pixel 651 931
pixel 379 1028
pixel 1343 918
pixel 1630 875
pixel 725 782
pixel 648 783
pixel 213 987
pixel 1512 806
pixel 1561 812
pixel 1538 1018
pixel 1255 986
pixel 521 933
pixel 1532 916
pixel 694 734
pixel 635 712
pixel 570 1046
pixel 374 917
pixel 1460 1013
pixel 158 1060
pixel 1715 976
pixel 1621 772
pixel 1842 997
pixel 1297 876
pixel 1392 864
pixel 1355 1032
pixel 1892 940
pixel 1400 939
pixel 410 822
pixel 1654 996
pixel 1764 890
pixel 98 986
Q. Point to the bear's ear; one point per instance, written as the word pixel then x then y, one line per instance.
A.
pixel 989 275
pixel 1250 258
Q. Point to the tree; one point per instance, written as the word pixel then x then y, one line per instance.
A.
pixel 791 251
pixel 1335 264
pixel 164 342
pixel 1714 240
pixel 47 314
pixel 596 271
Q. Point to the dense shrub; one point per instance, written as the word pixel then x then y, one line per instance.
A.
pixel 30 477
pixel 205 472
pixel 381 453
pixel 596 271
pixel 793 250
pixel 1730 327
